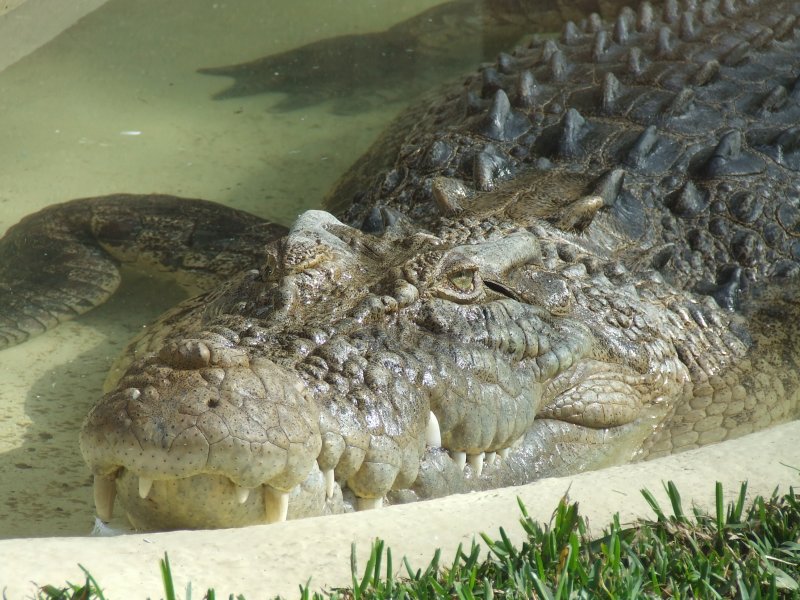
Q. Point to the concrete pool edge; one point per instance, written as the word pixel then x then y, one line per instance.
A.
pixel 274 559
pixel 32 23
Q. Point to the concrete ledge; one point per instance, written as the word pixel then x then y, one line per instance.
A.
pixel 266 560
pixel 26 25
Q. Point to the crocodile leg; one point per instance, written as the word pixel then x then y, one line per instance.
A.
pixel 64 260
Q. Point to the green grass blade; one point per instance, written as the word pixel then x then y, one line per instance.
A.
pixel 737 510
pixel 654 505
pixel 675 500
pixel 720 507
pixel 166 577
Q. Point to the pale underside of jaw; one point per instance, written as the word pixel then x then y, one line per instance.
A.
pixel 275 502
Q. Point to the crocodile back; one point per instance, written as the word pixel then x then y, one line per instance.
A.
pixel 684 120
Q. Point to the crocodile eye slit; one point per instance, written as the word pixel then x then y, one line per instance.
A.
pixel 501 289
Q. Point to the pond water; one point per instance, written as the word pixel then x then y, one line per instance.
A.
pixel 115 103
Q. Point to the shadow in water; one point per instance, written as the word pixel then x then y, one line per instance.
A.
pixel 47 486
pixel 359 72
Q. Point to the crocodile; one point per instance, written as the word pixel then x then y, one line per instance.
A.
pixel 584 254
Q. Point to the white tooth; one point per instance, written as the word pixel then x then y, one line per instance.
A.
pixel 433 435
pixel 476 462
pixel 242 494
pixel 368 503
pixel 329 482
pixel 105 490
pixel 276 504
pixel 504 453
pixel 460 458
pixel 145 484
pixel 490 458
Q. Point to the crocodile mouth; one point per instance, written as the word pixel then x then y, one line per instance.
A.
pixel 173 470
pixel 176 497
pixel 214 500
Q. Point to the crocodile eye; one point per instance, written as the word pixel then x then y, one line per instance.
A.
pixel 461 285
pixel 463 280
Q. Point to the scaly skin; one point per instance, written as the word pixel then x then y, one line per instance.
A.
pixel 585 257
pixel 505 355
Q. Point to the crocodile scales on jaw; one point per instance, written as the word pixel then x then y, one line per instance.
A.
pixel 585 255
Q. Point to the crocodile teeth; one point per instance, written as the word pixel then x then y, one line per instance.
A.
pixel 460 458
pixel 276 504
pixel 242 494
pixel 491 457
pixel 145 485
pixel 105 490
pixel 329 482
pixel 369 503
pixel 433 435
pixel 504 453
pixel 476 463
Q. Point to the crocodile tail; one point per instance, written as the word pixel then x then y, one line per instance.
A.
pixel 64 260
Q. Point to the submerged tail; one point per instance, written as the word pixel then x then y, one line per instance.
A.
pixel 64 260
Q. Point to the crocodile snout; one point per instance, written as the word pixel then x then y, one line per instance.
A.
pixel 201 410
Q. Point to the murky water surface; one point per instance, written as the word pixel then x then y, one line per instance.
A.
pixel 115 104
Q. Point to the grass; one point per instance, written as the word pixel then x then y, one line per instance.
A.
pixel 748 554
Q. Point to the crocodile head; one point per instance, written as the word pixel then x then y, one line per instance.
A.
pixel 352 368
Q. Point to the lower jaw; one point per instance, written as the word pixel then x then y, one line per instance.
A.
pixel 210 501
